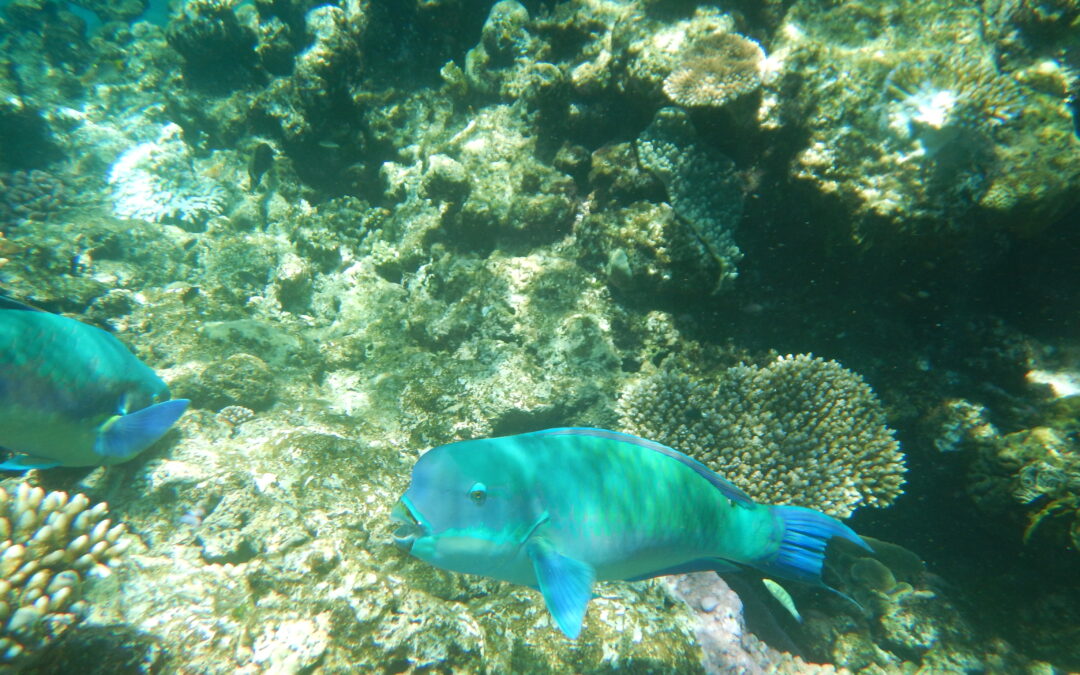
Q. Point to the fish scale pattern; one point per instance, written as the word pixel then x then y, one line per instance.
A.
pixel 802 431
pixel 49 542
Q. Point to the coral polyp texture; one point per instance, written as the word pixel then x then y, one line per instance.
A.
pixel 702 184
pixel 48 543
pixel 801 430
pixel 29 196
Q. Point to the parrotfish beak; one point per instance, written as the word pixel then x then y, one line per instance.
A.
pixel 410 525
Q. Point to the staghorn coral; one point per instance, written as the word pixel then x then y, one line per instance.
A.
pixel 716 69
pixel 801 430
pixel 48 543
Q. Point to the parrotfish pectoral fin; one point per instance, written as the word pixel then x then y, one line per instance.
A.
pixel 801 553
pixel 566 584
pixel 27 462
pixel 127 435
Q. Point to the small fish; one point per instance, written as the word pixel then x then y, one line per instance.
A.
pixel 783 597
pixel 262 158
pixel 73 395
pixel 561 509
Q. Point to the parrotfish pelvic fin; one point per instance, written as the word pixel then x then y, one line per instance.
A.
pixel 20 462
pixel 130 434
pixel 565 583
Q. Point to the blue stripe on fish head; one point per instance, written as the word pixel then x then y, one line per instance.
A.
pixel 473 503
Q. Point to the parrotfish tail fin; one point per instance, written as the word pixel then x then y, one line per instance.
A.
pixel 128 435
pixel 801 554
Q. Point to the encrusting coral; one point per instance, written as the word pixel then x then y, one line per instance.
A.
pixel 802 431
pixel 48 543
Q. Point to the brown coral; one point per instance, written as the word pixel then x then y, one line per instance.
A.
pixel 715 70
pixel 802 430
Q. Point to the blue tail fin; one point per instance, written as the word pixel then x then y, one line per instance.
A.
pixel 127 435
pixel 802 547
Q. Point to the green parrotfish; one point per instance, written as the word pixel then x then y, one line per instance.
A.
pixel 561 509
pixel 73 395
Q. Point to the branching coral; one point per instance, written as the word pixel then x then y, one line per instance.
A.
pixel 48 543
pixel 800 431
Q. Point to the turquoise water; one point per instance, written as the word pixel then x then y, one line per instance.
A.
pixel 828 250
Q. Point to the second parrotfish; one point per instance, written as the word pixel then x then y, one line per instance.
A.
pixel 73 395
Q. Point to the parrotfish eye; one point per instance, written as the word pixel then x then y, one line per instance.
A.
pixel 478 493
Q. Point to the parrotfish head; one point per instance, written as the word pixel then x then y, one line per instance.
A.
pixel 144 413
pixel 467 509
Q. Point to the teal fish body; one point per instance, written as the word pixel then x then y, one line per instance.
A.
pixel 73 395
pixel 561 509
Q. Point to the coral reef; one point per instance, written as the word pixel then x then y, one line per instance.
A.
pixel 1031 477
pixel 909 621
pixel 801 430
pixel 50 543
pixel 216 48
pixel 915 124
pixel 350 248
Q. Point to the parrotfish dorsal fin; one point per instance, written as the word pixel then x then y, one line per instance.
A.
pixel 130 434
pixel 565 583
pixel 729 489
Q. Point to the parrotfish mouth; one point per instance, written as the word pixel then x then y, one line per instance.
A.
pixel 410 526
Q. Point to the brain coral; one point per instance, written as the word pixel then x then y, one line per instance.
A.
pixel 48 542
pixel 801 430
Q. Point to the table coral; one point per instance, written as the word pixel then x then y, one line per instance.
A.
pixel 801 430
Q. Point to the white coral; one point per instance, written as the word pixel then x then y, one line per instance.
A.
pixel 156 181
